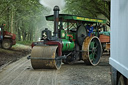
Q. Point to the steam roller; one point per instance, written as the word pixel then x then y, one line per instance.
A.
pixel 68 43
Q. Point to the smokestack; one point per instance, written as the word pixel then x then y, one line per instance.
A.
pixel 56 20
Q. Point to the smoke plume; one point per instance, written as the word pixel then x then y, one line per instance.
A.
pixel 51 3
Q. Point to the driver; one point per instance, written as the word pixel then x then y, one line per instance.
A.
pixel 89 28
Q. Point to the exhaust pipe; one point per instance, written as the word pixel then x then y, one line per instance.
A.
pixel 56 20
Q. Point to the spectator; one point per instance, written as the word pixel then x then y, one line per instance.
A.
pixel 104 27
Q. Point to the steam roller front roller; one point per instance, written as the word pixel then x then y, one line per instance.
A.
pixel 92 50
pixel 45 57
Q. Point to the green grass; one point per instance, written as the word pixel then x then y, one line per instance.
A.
pixel 24 42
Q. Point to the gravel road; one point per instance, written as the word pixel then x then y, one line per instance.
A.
pixel 21 73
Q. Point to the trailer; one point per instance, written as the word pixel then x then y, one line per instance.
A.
pixel 119 42
pixel 105 40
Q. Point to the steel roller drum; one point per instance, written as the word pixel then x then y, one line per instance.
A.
pixel 44 57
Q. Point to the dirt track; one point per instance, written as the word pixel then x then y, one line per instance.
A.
pixel 15 53
pixel 21 73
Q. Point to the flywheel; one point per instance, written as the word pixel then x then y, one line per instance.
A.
pixel 92 50
pixel 81 34
pixel 43 57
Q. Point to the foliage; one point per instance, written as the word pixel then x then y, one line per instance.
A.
pixel 25 18
pixel 89 8
pixel 24 42
pixel 22 17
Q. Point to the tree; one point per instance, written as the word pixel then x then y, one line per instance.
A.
pixel 89 8
pixel 22 17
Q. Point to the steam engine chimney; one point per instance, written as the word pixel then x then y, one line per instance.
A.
pixel 56 20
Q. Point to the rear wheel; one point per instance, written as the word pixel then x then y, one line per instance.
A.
pixel 6 44
pixel 121 80
pixel 92 50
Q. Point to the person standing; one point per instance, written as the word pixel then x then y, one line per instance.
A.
pixel 1 32
pixel 104 27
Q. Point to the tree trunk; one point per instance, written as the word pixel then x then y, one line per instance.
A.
pixel 8 19
pixel 19 34
pixel 12 20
